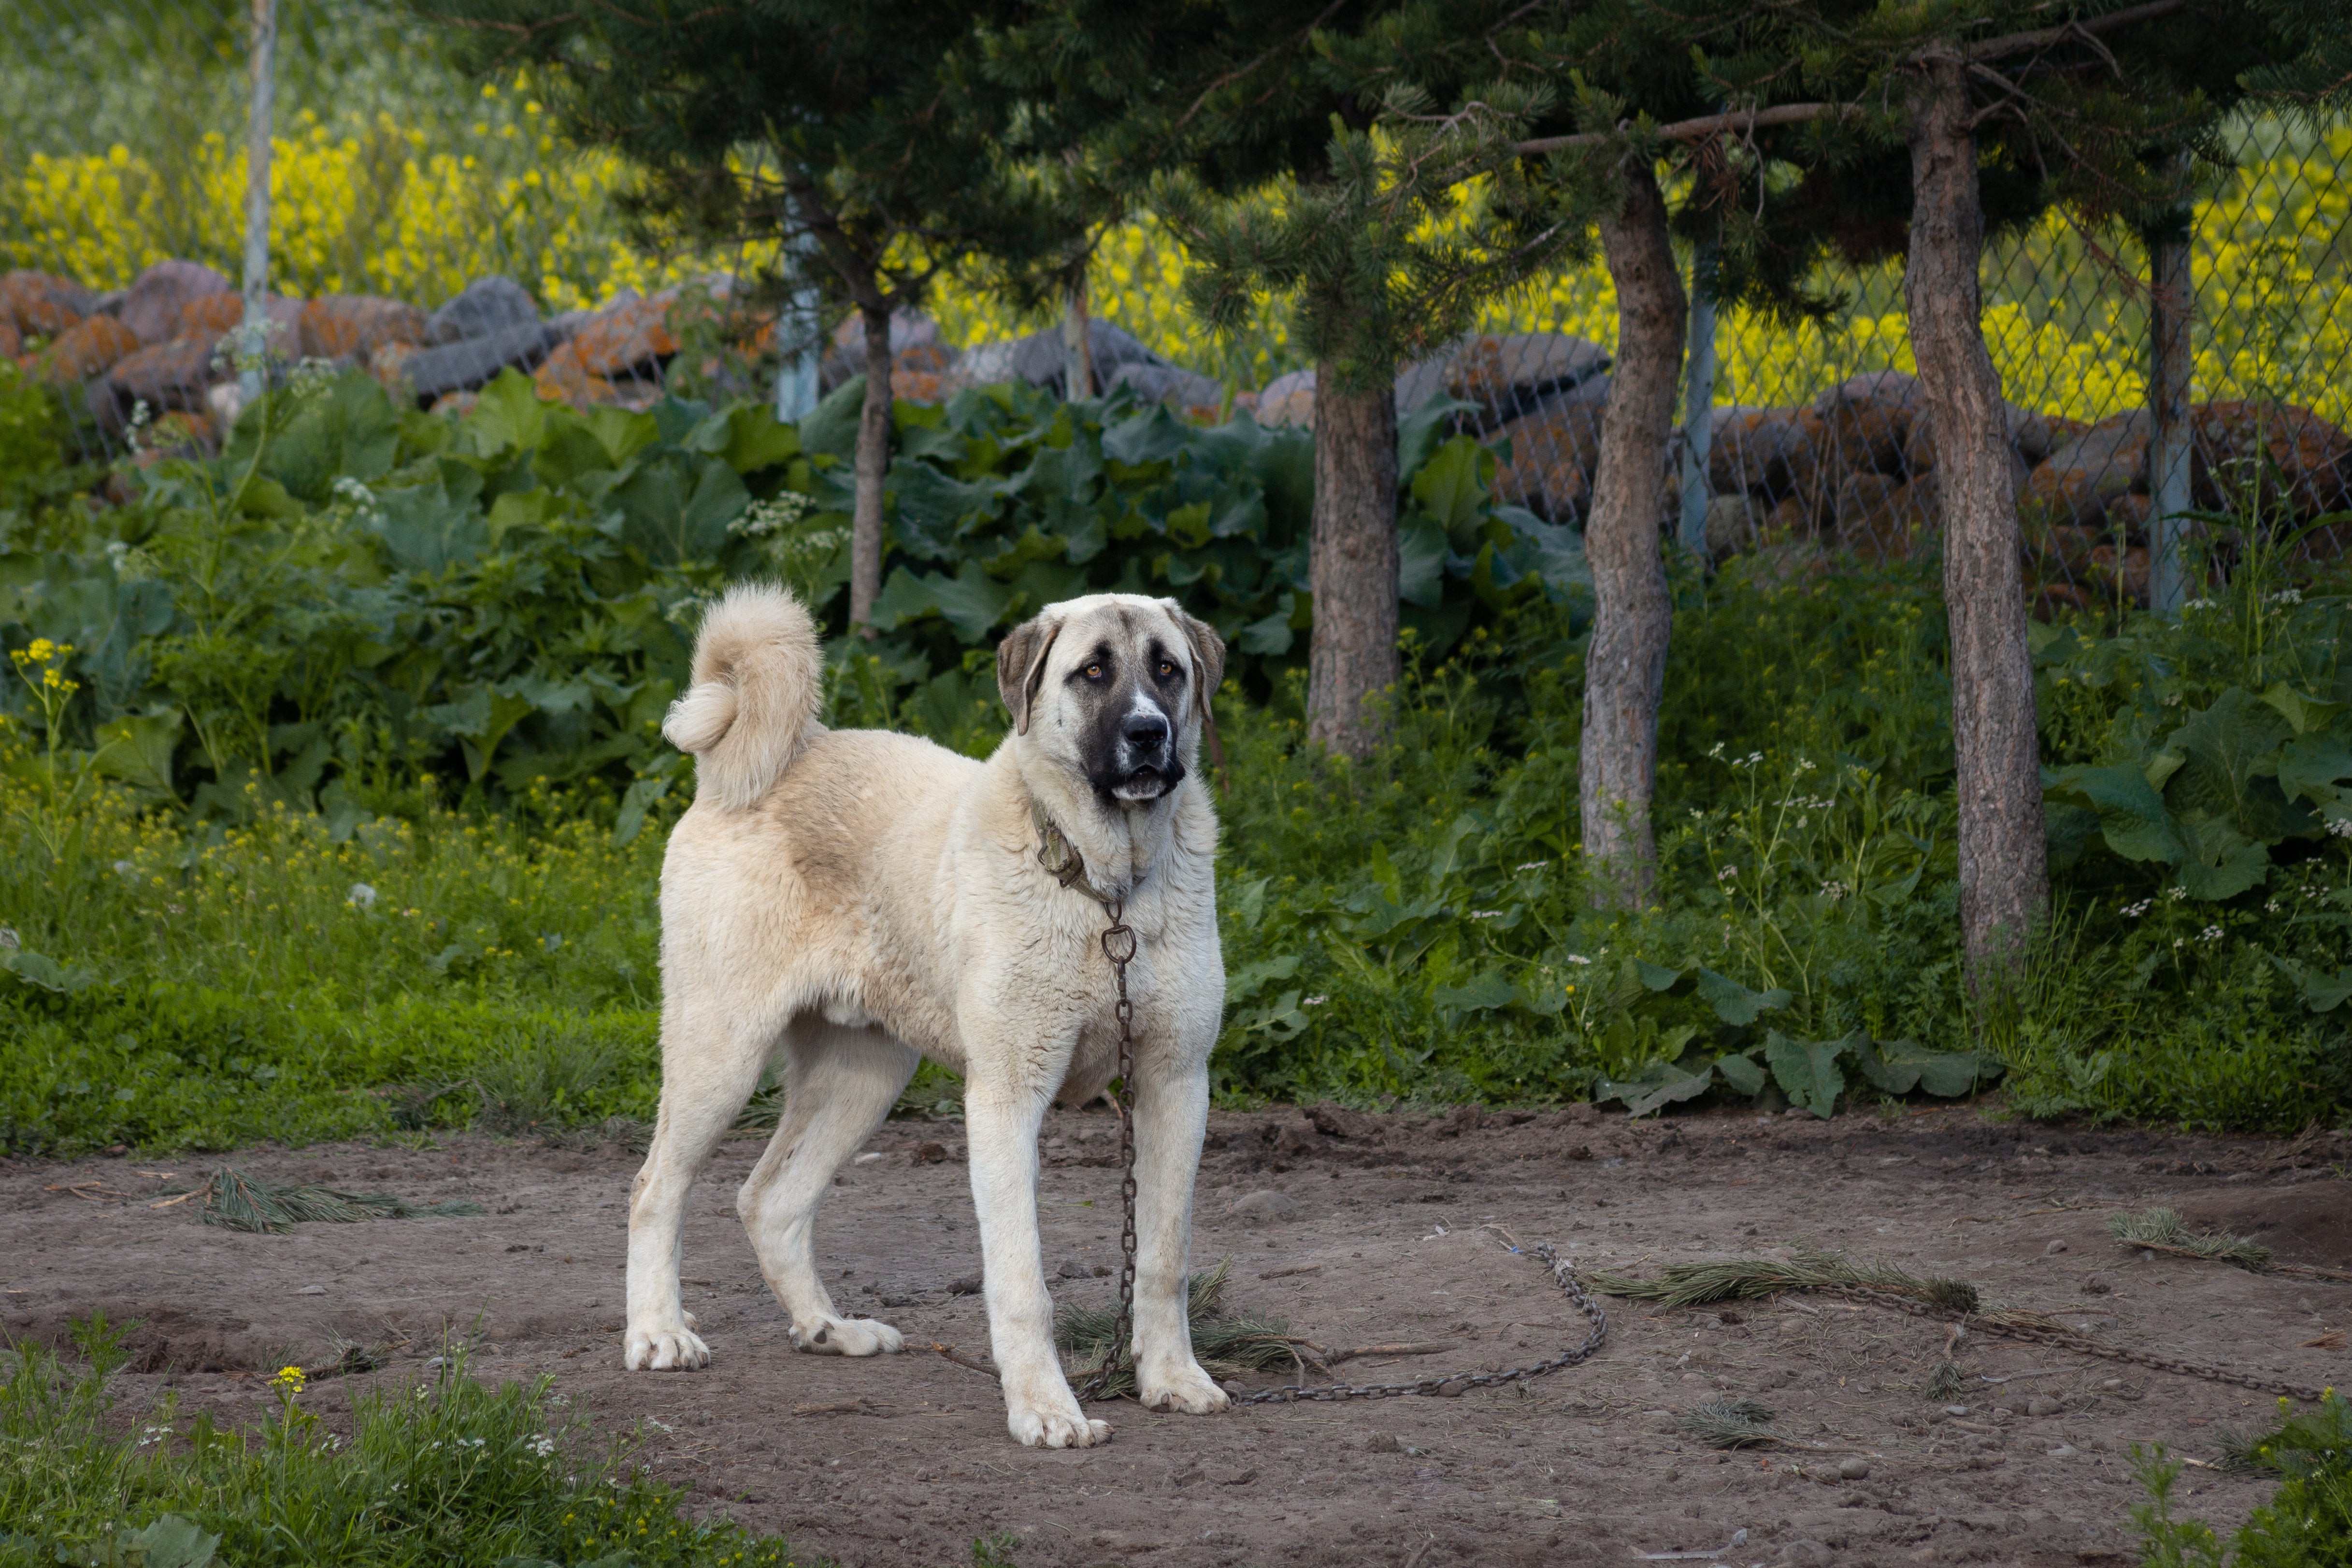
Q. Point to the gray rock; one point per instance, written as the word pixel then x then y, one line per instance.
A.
pixel 1263 1205
pixel 2043 1405
pixel 1168 384
pixel 1507 374
pixel 1804 1552
pixel 845 360
pixel 1288 400
pixel 484 307
pixel 151 306
pixel 1855 1469
pixel 465 365
pixel 1071 1268
pixel 1037 359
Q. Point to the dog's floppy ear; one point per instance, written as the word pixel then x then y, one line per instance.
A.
pixel 1208 654
pixel 1021 668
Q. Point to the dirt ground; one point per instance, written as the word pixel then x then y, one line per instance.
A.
pixel 1376 1236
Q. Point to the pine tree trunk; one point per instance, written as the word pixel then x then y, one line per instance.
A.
pixel 2002 853
pixel 1352 566
pixel 873 467
pixel 1626 664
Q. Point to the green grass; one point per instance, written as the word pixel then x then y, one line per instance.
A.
pixel 445 1471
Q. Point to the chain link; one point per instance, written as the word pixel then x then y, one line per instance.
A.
pixel 1118 945
pixel 2066 1338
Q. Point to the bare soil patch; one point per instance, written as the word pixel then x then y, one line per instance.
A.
pixel 1382 1240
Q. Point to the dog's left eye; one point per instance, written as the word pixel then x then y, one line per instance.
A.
pixel 1093 672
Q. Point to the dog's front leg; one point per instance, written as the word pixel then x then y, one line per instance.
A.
pixel 1002 1120
pixel 1171 1112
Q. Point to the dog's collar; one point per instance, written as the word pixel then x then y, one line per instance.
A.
pixel 1061 859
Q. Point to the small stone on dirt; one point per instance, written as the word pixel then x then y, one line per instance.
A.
pixel 929 1155
pixel 1233 1477
pixel 1263 1205
pixel 2043 1405
pixel 2054 1248
pixel 1382 1443
pixel 1805 1551
pixel 967 1286
pixel 1071 1268
pixel 1853 1469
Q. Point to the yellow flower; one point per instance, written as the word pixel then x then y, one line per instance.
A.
pixel 289 1380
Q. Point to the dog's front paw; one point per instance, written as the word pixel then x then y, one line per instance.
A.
pixel 830 1335
pixel 666 1350
pixel 1185 1388
pixel 1049 1416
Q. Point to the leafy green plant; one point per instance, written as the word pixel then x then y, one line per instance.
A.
pixel 447 1470
pixel 2307 1522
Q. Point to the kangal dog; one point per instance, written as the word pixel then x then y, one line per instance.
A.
pixel 855 899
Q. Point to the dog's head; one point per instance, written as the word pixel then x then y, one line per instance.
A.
pixel 1115 687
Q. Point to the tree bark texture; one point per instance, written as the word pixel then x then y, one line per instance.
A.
pixel 1352 566
pixel 1626 664
pixel 873 467
pixel 2003 861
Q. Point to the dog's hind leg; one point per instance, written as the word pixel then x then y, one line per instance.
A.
pixel 708 1071
pixel 839 1083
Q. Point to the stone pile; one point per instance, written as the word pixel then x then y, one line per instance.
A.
pixel 1852 473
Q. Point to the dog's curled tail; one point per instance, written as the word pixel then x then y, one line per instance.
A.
pixel 759 675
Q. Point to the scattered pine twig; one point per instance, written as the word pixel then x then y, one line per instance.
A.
pixel 2162 1230
pixel 1739 1279
pixel 243 1202
pixel 951 1354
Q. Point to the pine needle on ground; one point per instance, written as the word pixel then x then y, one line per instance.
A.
pixel 243 1203
pixel 1740 1278
pixel 1728 1424
pixel 2161 1230
pixel 1225 1344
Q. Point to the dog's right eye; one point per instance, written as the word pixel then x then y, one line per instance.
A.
pixel 1093 672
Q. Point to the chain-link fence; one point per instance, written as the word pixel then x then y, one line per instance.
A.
pixel 431 228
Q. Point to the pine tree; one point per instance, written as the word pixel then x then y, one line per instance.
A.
pixel 1867 131
pixel 1321 153
pixel 794 121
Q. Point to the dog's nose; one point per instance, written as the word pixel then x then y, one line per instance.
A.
pixel 1144 732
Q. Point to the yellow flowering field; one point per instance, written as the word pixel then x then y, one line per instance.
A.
pixel 382 208
pixel 369 208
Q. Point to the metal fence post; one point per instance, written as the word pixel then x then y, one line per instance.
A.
pixel 1698 401
pixel 255 332
pixel 800 333
pixel 2171 306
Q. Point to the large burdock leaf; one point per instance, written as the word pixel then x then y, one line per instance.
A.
pixel 1734 1003
pixel 2222 862
pixel 2132 817
pixel 1810 1072
pixel 2230 767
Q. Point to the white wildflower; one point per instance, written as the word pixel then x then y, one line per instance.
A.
pixel 2210 933
pixel 2287 596
pixel 362 897
pixel 2175 894
pixel 2274 907
pixel 1485 914
pixel 1532 865
pixel 542 1445
pixel 2197 604
pixel 2341 828
pixel 1578 958
pixel 1313 1001
pixel 2133 911
pixel 1727 873
pixel 1833 890
pixel 780 512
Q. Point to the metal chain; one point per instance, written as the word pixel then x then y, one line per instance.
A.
pixel 1118 945
pixel 1448 1386
pixel 2066 1338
